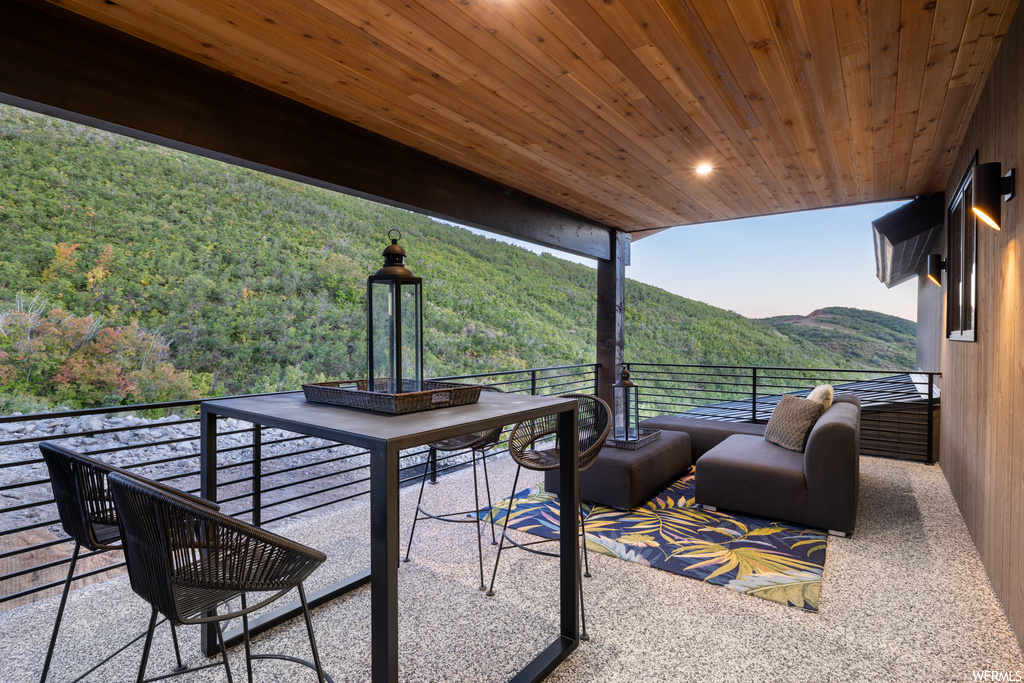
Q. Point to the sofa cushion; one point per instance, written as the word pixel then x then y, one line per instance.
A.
pixel 791 422
pixel 748 474
pixel 704 434
pixel 823 394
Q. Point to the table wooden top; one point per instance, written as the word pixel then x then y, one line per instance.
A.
pixel 292 412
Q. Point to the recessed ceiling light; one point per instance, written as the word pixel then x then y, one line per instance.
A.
pixel 704 169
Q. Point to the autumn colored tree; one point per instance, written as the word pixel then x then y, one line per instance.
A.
pixel 81 363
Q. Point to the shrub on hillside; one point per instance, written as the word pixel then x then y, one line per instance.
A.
pixel 79 362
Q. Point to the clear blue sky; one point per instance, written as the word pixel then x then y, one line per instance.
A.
pixel 789 264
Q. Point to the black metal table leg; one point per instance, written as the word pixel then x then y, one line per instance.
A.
pixel 384 559
pixel 569 561
pixel 208 642
pixel 569 554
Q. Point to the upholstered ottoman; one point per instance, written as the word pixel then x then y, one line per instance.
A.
pixel 625 478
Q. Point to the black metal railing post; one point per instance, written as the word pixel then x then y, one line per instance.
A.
pixel 533 382
pixel 257 475
pixel 753 395
pixel 930 459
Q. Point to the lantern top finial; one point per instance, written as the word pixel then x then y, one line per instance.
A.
pixel 394 258
pixel 624 380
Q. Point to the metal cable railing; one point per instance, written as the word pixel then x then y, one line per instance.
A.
pixel 300 474
pixel 899 409
pixel 297 474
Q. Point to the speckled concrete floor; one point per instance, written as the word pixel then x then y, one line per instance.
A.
pixel 905 599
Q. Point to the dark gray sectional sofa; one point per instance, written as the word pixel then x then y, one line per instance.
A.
pixel 738 470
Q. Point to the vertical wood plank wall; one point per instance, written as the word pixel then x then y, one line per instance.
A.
pixel 931 315
pixel 982 432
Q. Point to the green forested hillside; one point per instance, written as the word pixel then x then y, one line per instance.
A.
pixel 253 282
pixel 871 339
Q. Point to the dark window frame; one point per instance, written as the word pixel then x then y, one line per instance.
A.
pixel 962 262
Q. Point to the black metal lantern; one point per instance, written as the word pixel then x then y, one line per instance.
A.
pixel 626 410
pixel 394 325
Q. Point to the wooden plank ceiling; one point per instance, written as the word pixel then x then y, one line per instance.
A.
pixel 606 108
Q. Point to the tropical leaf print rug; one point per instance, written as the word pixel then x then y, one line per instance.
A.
pixel 771 560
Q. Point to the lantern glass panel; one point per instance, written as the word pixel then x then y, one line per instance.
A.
pixel 625 413
pixel 411 344
pixel 382 337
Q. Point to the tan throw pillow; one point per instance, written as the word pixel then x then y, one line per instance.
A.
pixel 823 394
pixel 791 422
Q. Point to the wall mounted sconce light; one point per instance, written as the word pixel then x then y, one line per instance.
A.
pixel 936 264
pixel 988 186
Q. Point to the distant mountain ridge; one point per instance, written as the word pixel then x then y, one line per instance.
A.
pixel 866 337
pixel 258 282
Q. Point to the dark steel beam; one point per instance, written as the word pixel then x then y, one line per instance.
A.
pixel 65 65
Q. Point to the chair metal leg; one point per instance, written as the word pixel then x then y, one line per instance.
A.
pixel 419 501
pixel 586 573
pixel 223 650
pixel 245 637
pixel 504 530
pixel 147 646
pixel 177 650
pixel 60 611
pixel 432 464
pixel 312 638
pixel 476 517
pixel 487 487
pixel 586 555
pixel 583 614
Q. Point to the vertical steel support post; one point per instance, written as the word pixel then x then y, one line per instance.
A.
pixel 533 382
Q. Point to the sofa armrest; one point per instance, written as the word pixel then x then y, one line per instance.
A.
pixel 832 467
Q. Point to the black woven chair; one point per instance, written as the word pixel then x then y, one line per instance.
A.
pixel 88 515
pixel 533 444
pixel 187 560
pixel 478 443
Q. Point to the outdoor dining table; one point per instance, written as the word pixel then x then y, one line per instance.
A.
pixel 385 436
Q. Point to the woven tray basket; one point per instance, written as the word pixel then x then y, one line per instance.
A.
pixel 646 437
pixel 354 394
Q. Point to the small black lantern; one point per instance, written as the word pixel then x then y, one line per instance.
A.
pixel 394 324
pixel 626 410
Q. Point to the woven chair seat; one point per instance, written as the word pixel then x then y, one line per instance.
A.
pixel 547 459
pixel 193 602
pixel 107 534
pixel 479 440
pixel 593 426
pixel 457 443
